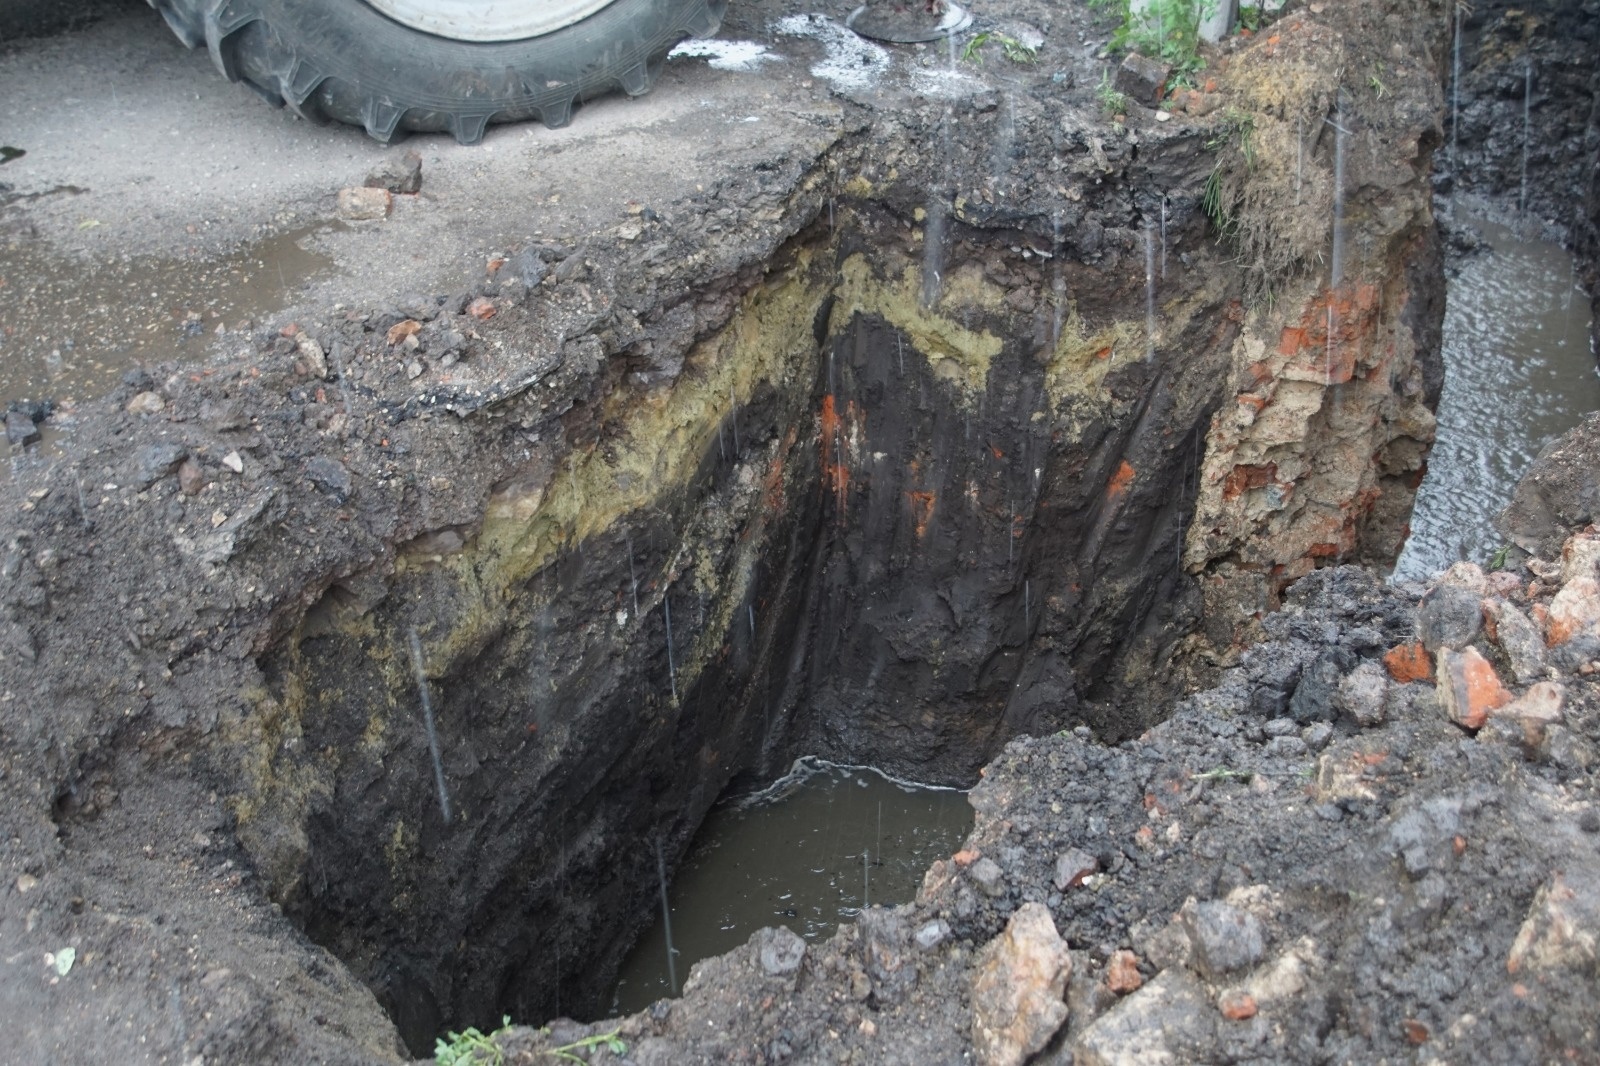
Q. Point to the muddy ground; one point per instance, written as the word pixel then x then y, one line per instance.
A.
pixel 881 381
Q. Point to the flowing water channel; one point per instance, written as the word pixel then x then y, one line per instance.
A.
pixel 807 853
pixel 1519 372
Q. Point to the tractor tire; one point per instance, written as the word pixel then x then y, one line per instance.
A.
pixel 342 60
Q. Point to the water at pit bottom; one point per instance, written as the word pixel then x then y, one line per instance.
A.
pixel 792 855
pixel 1519 372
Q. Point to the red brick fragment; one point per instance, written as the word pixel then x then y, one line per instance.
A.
pixel 1236 1006
pixel 1409 662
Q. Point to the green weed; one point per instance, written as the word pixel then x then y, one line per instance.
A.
pixel 1112 101
pixel 610 1041
pixel 1168 30
pixel 1010 47
pixel 471 1047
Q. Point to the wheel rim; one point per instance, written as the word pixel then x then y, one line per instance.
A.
pixel 475 20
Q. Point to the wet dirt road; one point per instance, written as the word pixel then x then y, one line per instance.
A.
pixel 150 210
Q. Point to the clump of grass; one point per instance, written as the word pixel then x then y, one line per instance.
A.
pixel 1220 200
pixel 1111 100
pixel 1010 47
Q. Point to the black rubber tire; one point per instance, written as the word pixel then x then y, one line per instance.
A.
pixel 342 60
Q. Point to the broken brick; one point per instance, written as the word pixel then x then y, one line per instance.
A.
pixel 1469 688
pixel 1409 662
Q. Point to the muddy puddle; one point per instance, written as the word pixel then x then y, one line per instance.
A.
pixel 807 853
pixel 70 329
pixel 1519 372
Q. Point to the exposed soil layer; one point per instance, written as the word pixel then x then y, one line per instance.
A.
pixel 890 390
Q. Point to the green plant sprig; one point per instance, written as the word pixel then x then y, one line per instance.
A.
pixel 471 1047
pixel 610 1041
pixel 1010 47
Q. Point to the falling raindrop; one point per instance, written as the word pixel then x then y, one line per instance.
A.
pixel 1027 606
pixel 427 720
pixel 672 666
pixel 666 919
pixel 1149 294
pixel 1163 236
pixel 1455 97
pixel 1340 133
pixel 344 382
pixel 750 610
pixel 1527 108
pixel 1299 155
pixel 633 577
pixel 1059 281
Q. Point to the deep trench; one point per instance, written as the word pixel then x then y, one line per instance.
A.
pixel 939 569
pixel 884 554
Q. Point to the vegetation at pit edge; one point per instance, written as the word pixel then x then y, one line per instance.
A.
pixel 1010 47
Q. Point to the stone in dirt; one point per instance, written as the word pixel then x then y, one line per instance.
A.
pixel 20 428
pixel 1162 1024
pixel 1016 995
pixel 1122 972
pixel 1363 694
pixel 1073 867
pixel 361 204
pixel 155 461
pixel 986 873
pixel 1450 616
pixel 191 479
pixel 400 174
pixel 1469 688
pixel 1580 557
pixel 886 943
pixel 329 475
pixel 1519 638
pixel 1141 79
pixel 1562 930
pixel 146 403
pixel 779 950
pixel 313 357
pixel 1575 609
pixel 1222 938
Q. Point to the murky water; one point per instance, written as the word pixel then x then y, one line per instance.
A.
pixel 792 856
pixel 1519 372
pixel 70 329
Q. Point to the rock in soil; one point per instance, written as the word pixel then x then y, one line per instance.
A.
pixel 400 174
pixel 1017 991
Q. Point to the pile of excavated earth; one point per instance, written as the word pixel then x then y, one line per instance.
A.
pixel 1377 838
